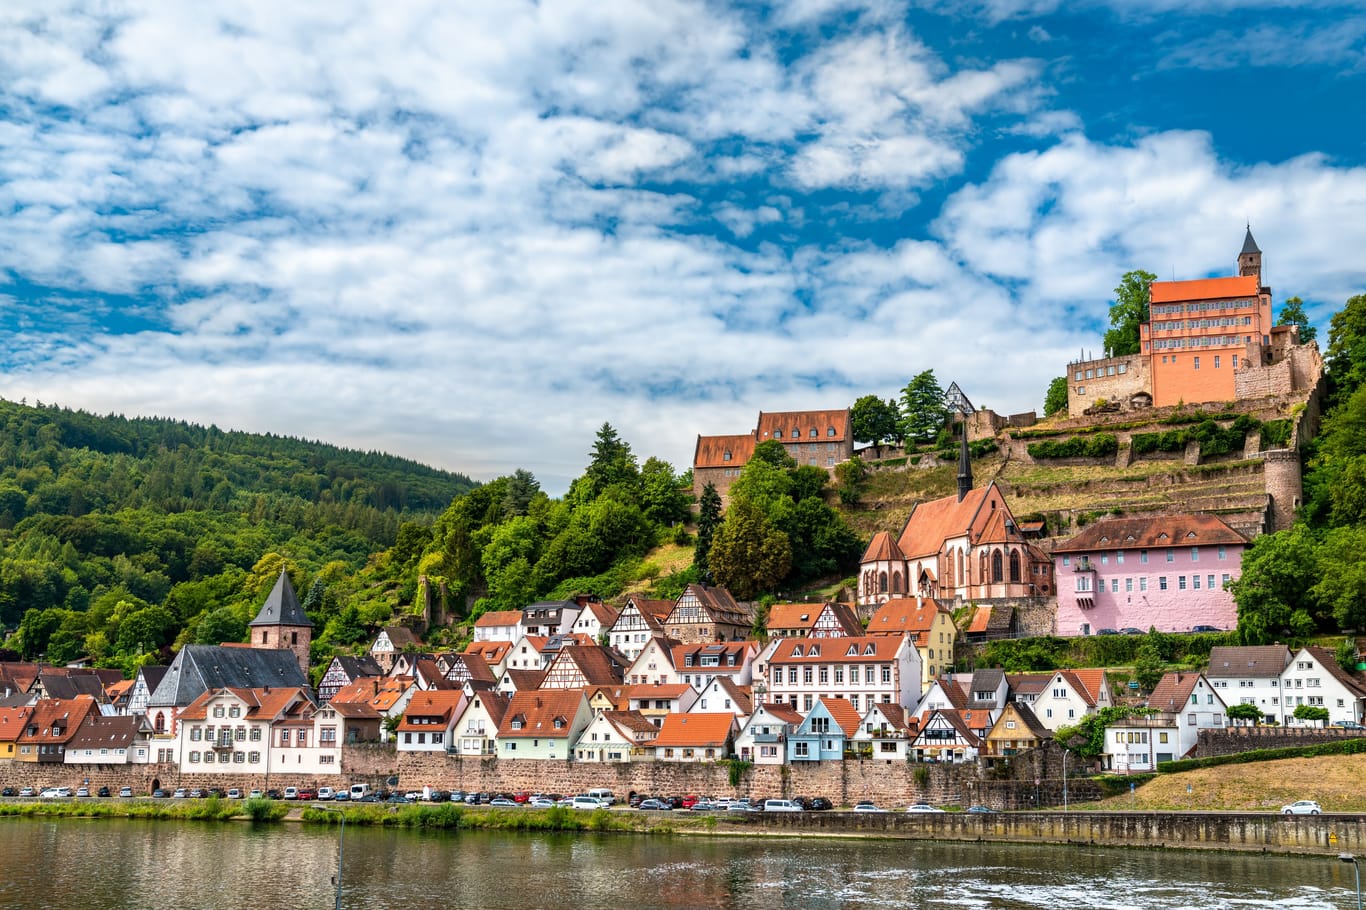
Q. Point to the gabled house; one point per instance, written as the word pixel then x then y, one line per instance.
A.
pixel 145 682
pixel 1070 695
pixel 654 664
pixel 698 664
pixel 387 697
pixel 865 671
pixel 428 724
pixel 657 702
pixel 344 723
pixel 595 619
pixel 824 733
pixel 344 670
pixel 528 653
pixel 640 619
pixel 606 698
pixel 49 728
pixel 550 617
pixel 763 739
pixel 1313 678
pixel 477 727
pixel 1016 730
pixel 722 694
pixel 406 664
pixel 389 643
pixel 500 625
pixel 580 665
pixel 803 620
pixel 511 681
pixel 949 736
pixel 1182 704
pixel 617 737
pixel 1250 675
pixel 695 737
pixel 543 724
pixel 122 739
pixel 706 614
pixel 930 625
pixel 885 733
pixel 944 693
pixel 494 653
pixel 467 668
pixel 12 723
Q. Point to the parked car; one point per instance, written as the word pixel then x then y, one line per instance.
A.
pixel 1302 807
pixel 342 796
pixel 126 792
pixel 586 802
pixel 50 793
pixel 867 807
pixel 180 793
pixel 291 792
pixel 1206 629
pixel 781 805
pixel 657 805
pixel 1130 630
pixel 326 793
pixel 542 802
pixel 606 796
pixel 502 802
pixel 1107 632
pixel 102 791
pixel 980 810
pixel 307 793
pixel 690 800
pixel 197 793
pixel 83 792
pixel 234 793
pixel 26 791
pixel 703 805
pixel 923 807
pixel 820 804
pixel 1348 725
pixel 9 791
pixel 740 805
pixel 158 794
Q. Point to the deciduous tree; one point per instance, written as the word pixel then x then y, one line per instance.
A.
pixel 1292 313
pixel 748 554
pixel 1128 311
pixel 873 420
pixel 1055 399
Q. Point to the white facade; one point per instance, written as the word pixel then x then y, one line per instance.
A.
pixel 654 666
pixel 864 671
pixel 1309 680
pixel 763 739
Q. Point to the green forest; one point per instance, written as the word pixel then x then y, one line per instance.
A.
pixel 123 539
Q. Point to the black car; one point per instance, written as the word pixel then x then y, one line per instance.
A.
pixel 1108 632
pixel 1206 629
pixel 102 791
pixel 9 791
pixel 819 804
pixel 1130 630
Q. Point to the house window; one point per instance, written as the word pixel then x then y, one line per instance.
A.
pixel 1161 582
pixel 1195 554
pixel 1143 584
pixel 1143 556
pixel 1197 361
pixel 1171 555
pixel 802 750
pixel 1195 582
pixel 1180 582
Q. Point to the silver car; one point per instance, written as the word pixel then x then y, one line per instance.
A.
pixel 1302 807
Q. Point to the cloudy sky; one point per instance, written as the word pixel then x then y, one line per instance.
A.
pixel 470 233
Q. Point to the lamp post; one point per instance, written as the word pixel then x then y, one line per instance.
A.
pixel 1065 755
pixel 341 848
pixel 1356 867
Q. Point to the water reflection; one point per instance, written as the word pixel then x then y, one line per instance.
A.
pixel 100 865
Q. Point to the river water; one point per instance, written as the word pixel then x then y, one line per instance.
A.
pixel 103 864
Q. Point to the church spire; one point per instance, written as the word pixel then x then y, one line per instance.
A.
pixel 964 463
pixel 1250 257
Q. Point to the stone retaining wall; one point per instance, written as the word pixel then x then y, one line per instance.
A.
pixel 1231 740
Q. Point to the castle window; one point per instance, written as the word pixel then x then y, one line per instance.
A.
pixel 996 566
pixel 777 434
pixel 726 456
pixel 1079 376
pixel 814 434
pixel 1216 361
pixel 1197 362
pixel 1090 373
pixel 1081 390
pixel 830 431
pixel 882 582
pixel 1122 368
pixel 1014 566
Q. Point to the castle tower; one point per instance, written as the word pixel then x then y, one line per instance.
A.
pixel 1284 487
pixel 282 623
pixel 1250 258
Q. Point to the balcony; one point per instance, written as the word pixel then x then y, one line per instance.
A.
pixel 1084 565
pixel 770 737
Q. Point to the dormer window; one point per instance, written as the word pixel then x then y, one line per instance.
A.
pixel 726 456
pixel 814 434
pixel 797 651
pixel 830 431
pixel 777 434
pixel 815 650
pixel 852 652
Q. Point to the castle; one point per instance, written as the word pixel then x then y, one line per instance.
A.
pixel 1206 340
pixel 821 438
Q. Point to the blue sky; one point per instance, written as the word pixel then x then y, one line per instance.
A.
pixel 469 233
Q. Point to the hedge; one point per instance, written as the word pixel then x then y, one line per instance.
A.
pixel 1354 746
pixel 1101 445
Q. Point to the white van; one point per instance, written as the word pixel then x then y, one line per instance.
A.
pixel 781 805
pixel 586 802
pixel 603 794
pixel 360 791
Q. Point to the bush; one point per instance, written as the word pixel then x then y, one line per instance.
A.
pixel 1354 746
pixel 1099 445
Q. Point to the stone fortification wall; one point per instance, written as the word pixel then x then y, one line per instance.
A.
pixel 1232 740
pixel 1115 380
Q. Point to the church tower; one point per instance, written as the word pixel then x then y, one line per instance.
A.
pixel 282 623
pixel 1250 259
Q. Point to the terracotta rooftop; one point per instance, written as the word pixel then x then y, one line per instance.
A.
pixel 797 426
pixel 695 730
pixel 1159 531
pixel 1203 289
pixel 711 451
pixel 882 548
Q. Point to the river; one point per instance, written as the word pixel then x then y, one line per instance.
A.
pixel 73 864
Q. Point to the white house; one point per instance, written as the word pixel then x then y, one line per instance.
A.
pixel 1185 703
pixel 499 625
pixel 867 670
pixel 763 740
pixel 617 737
pixel 231 731
pixel 1250 675
pixel 884 733
pixel 654 665
pixel 698 664
pixel 1314 678
pixel 640 620
pixel 722 694
pixel 476 729
pixel 428 725
pixel 1069 696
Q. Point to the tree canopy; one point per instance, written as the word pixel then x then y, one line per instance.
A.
pixel 1055 399
pixel 923 412
pixel 1128 311
pixel 1292 313
pixel 873 420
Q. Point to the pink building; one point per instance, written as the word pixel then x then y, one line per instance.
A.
pixel 1168 571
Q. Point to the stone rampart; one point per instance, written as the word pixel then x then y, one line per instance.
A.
pixel 1231 740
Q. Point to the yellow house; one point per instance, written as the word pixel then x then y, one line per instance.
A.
pixel 930 623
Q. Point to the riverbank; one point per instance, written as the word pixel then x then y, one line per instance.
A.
pixel 1323 835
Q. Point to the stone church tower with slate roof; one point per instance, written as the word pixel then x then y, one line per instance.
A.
pixel 282 623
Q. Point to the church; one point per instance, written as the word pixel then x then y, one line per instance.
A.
pixel 964 547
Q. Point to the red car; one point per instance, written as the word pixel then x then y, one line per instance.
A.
pixel 308 793
pixel 689 801
pixel 521 796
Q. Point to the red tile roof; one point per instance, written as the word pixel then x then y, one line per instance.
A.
pixel 882 548
pixel 498 619
pixel 938 520
pixel 442 704
pixel 1186 530
pixel 695 730
pixel 803 422
pixel 1203 289
pixel 1173 692
pixel 871 648
pixel 901 615
pixel 710 451
pixel 844 714
pixel 537 711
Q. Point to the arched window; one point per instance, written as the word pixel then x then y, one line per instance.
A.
pixel 161 722
pixel 829 431
pixel 961 576
pixel 814 434
pixel 777 434
pixel 1015 566
pixel 882 582
pixel 996 565
pixel 898 587
pixel 982 574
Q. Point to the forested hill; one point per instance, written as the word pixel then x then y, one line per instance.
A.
pixel 105 517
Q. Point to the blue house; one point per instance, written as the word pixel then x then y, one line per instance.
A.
pixel 825 732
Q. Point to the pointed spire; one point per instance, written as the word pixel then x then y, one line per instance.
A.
pixel 282 606
pixel 964 463
pixel 1249 245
